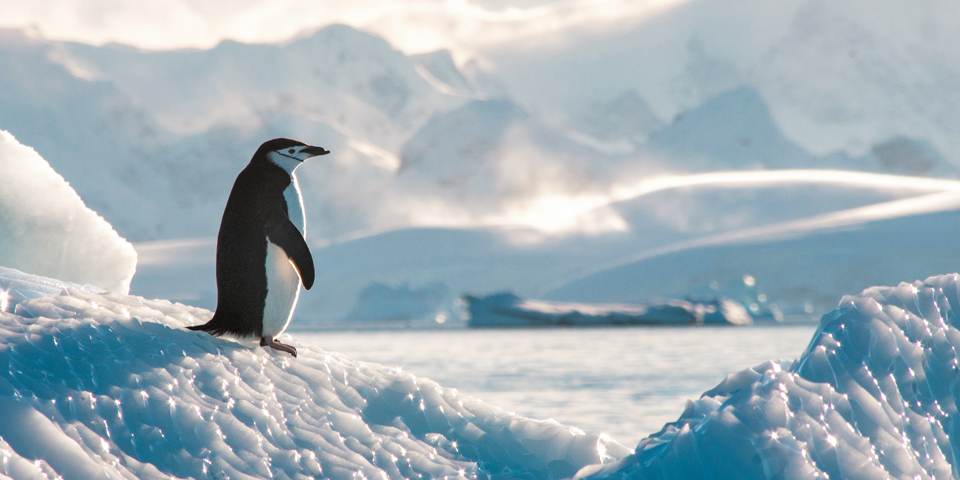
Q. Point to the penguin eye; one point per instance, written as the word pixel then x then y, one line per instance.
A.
pixel 290 151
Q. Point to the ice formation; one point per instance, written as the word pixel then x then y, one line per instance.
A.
pixel 509 310
pixel 45 228
pixel 106 385
pixel 873 396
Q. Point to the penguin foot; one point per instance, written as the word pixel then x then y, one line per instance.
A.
pixel 283 347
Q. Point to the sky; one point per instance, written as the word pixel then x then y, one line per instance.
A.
pixel 412 26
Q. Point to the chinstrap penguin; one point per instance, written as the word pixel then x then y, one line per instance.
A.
pixel 262 254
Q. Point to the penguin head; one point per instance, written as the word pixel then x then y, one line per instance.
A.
pixel 287 154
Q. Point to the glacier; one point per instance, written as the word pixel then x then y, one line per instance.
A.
pixel 99 384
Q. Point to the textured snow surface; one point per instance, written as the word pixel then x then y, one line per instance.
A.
pixel 111 386
pixel 873 396
pixel 105 385
pixel 46 229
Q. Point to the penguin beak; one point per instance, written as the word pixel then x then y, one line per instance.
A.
pixel 314 151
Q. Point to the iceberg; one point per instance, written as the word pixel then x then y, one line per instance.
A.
pixel 106 385
pixel 873 396
pixel 508 310
pixel 46 229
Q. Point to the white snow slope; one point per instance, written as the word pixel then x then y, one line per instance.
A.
pixel 46 229
pixel 112 386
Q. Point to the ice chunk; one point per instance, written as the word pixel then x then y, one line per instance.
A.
pixel 874 396
pixel 508 310
pixel 45 228
pixel 112 383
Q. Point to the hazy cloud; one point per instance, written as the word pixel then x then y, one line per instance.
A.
pixel 413 26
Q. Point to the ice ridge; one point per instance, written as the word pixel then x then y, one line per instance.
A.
pixel 873 396
pixel 106 385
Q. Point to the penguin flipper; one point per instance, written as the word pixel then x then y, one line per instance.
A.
pixel 285 235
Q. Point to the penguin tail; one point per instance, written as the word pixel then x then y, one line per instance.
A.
pixel 212 327
pixel 214 330
pixel 222 324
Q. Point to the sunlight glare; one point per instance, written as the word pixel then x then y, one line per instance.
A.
pixel 555 214
pixel 563 214
pixel 548 215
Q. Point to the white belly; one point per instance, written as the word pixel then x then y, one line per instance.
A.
pixel 295 205
pixel 283 289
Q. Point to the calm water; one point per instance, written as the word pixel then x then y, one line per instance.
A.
pixel 626 382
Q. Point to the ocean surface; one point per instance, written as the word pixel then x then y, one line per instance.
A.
pixel 625 382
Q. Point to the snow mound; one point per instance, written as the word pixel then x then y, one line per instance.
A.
pixel 873 396
pixel 46 229
pixel 509 310
pixel 112 386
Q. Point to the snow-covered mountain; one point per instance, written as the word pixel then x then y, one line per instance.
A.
pixel 353 81
pixel 153 139
pixel 837 77
pixel 735 130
